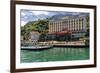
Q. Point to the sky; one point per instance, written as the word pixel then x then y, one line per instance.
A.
pixel 33 15
pixel 29 15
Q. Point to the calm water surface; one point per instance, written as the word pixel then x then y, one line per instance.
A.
pixel 54 54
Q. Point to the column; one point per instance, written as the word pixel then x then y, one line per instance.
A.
pixel 72 25
pixel 50 27
pixel 53 26
pixel 77 25
pixel 69 25
pixel 61 26
pixel 84 24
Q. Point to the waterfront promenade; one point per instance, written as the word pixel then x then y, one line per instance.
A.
pixel 63 43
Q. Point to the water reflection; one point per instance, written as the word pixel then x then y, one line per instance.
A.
pixel 55 54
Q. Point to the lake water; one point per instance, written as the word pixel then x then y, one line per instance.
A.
pixel 54 54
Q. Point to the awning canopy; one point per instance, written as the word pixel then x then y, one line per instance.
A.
pixel 61 33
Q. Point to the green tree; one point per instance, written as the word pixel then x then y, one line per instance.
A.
pixel 88 26
pixel 41 26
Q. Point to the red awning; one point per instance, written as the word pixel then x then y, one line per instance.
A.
pixel 61 33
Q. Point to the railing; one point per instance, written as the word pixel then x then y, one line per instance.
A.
pixel 81 43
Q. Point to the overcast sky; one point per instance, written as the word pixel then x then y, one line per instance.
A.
pixel 33 15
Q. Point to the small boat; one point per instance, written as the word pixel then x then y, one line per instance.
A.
pixel 36 47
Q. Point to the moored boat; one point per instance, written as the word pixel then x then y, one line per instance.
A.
pixel 36 47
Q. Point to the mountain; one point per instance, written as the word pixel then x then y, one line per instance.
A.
pixel 60 16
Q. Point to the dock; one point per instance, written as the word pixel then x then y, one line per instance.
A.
pixel 35 47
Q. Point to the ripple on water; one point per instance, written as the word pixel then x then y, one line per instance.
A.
pixel 55 54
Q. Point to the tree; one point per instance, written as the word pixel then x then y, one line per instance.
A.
pixel 88 26
pixel 41 26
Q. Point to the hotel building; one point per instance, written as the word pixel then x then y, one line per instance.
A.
pixel 75 25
